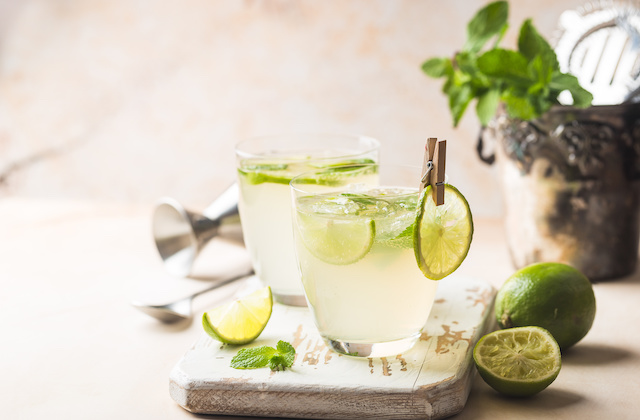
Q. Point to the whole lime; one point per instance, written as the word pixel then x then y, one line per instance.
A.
pixel 553 296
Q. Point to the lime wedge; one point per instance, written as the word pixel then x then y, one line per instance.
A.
pixel 240 321
pixel 337 241
pixel 443 235
pixel 518 361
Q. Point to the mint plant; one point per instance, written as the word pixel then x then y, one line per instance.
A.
pixel 528 81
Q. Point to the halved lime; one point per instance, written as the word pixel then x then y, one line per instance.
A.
pixel 240 321
pixel 443 235
pixel 337 241
pixel 518 361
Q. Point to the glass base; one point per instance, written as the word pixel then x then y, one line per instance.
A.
pixel 290 300
pixel 385 349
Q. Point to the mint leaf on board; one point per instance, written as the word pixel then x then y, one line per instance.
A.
pixel 277 358
pixel 253 358
pixel 286 348
pixel 277 363
pixel 488 22
pixel 284 358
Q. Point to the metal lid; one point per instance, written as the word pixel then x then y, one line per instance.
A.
pixel 600 45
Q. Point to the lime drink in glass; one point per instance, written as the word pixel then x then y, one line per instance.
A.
pixel 265 166
pixel 354 245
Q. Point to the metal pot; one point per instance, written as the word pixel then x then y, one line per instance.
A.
pixel 571 187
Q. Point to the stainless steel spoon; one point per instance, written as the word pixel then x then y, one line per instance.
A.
pixel 180 310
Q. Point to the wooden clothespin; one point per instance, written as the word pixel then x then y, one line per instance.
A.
pixel 433 167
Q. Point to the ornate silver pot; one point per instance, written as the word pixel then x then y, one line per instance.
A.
pixel 571 187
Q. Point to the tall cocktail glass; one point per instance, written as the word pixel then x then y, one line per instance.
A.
pixel 266 165
pixel 354 243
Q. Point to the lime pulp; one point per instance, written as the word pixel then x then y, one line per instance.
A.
pixel 518 361
pixel 443 235
pixel 240 321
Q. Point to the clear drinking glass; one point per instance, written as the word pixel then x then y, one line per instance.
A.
pixel 266 165
pixel 354 244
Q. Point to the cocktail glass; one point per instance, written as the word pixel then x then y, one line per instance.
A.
pixel 266 165
pixel 354 244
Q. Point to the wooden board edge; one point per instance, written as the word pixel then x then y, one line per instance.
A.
pixel 450 400
pixel 339 404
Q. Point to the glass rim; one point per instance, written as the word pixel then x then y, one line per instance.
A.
pixel 373 146
pixel 309 174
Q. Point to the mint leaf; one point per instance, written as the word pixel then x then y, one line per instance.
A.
pixel 518 106
pixel 284 358
pixel 490 21
pixel 487 105
pixel 407 232
pixel 459 99
pixel 541 76
pixel 437 67
pixel 253 358
pixel 363 199
pixel 531 45
pixel 404 240
pixel 257 357
pixel 363 161
pixel 466 63
pixel 562 81
pixel 277 363
pixel 285 348
pixel 508 65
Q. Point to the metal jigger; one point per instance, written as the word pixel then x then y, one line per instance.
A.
pixel 181 234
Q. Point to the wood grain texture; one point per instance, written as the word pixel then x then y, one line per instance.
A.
pixel 431 381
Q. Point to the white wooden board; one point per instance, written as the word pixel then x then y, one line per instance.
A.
pixel 431 381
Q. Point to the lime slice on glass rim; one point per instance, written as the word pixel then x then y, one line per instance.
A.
pixel 336 241
pixel 518 361
pixel 442 236
pixel 242 320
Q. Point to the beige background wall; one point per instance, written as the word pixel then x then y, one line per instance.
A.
pixel 130 100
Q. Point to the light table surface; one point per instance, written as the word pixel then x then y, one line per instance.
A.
pixel 72 346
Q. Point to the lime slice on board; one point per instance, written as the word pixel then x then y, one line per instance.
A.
pixel 518 361
pixel 240 321
pixel 443 234
pixel 337 241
